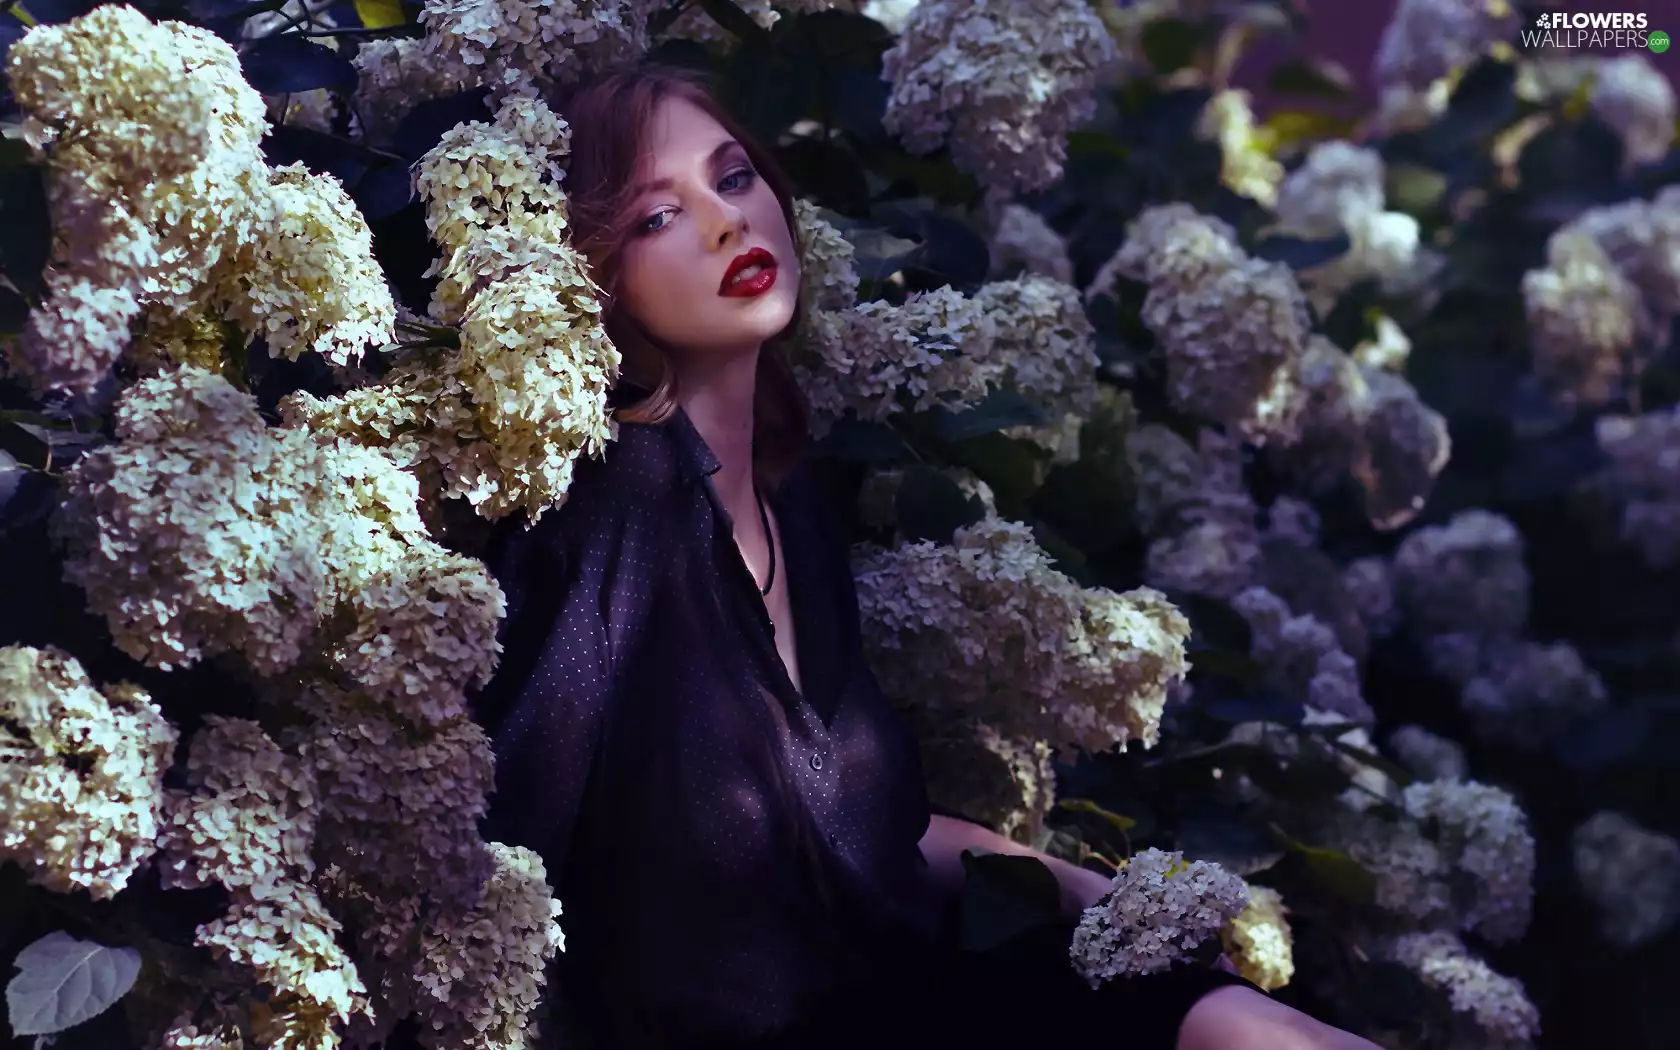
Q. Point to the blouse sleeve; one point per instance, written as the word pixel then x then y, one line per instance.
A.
pixel 545 708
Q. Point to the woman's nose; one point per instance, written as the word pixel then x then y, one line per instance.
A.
pixel 727 222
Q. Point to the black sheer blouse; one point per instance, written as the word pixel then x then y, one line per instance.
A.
pixel 726 849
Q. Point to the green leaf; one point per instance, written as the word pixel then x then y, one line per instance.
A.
pixel 1010 467
pixel 861 441
pixel 62 981
pixel 1300 254
pixel 1225 838
pixel 1333 869
pixel 1085 805
pixel 998 410
pixel 1307 75
pixel 879 253
pixel 1003 896
pixel 931 506
pixel 380 14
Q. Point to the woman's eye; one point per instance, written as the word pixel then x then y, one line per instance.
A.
pixel 744 174
pixel 648 223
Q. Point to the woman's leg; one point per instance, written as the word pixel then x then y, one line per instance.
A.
pixel 1241 1018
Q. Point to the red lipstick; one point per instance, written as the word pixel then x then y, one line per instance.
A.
pixel 753 285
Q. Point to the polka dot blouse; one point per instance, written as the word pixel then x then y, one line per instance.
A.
pixel 727 850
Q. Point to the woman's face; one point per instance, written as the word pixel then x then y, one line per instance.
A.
pixel 702 211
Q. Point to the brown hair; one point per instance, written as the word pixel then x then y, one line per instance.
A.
pixel 609 115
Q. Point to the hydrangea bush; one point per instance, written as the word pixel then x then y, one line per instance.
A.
pixel 1276 510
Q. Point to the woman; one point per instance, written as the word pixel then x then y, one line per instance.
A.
pixel 684 724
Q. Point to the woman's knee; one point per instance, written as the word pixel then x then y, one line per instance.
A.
pixel 1240 1018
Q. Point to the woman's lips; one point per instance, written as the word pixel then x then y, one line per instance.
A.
pixel 749 287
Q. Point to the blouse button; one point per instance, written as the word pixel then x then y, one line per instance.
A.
pixel 816 761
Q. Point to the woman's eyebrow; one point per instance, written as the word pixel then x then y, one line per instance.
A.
pixel 711 158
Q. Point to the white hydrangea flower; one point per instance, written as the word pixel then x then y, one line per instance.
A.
pixel 150 137
pixel 1496 1006
pixel 1586 320
pixel 1633 97
pixel 1426 40
pixel 1041 333
pixel 506 173
pixel 894 14
pixel 1246 168
pixel 1007 785
pixel 1387 349
pixel 1467 575
pixel 1302 656
pixel 1642 239
pixel 1259 940
pixel 502 420
pixel 1429 756
pixel 308 279
pixel 247 817
pixel 81 775
pixel 695 24
pixel 1002 81
pixel 1486 833
pixel 1194 507
pixel 394 74
pixel 1160 908
pixel 399 809
pixel 531 48
pixel 290 941
pixel 1233 328
pixel 1527 694
pixel 933 348
pixel 484 971
pixel 1335 181
pixel 1370 584
pixel 1641 480
pixel 1022 243
pixel 198 531
pixel 827 261
pixel 1631 874
pixel 1088 668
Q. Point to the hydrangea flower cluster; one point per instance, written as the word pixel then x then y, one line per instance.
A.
pixel 502 419
pixel 1302 656
pixel 1633 97
pixel 1160 909
pixel 1002 82
pixel 162 198
pixel 695 24
pixel 531 48
pixel 1082 668
pixel 1005 784
pixel 1427 40
pixel 1631 875
pixel 483 970
pixel 1587 323
pixel 394 74
pixel 942 349
pixel 1021 243
pixel 827 260
pixel 1338 189
pixel 1486 834
pixel 1367 421
pixel 1642 239
pixel 1493 1008
pixel 1429 756
pixel 81 773
pixel 1641 481
pixel 1193 505
pixel 1259 941
pixel 1233 328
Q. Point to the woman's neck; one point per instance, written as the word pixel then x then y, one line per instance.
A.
pixel 719 403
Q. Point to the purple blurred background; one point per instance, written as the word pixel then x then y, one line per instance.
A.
pixel 1348 30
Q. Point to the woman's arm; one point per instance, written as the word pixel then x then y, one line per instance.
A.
pixel 946 838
